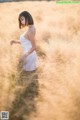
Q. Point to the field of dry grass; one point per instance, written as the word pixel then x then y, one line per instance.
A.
pixel 52 92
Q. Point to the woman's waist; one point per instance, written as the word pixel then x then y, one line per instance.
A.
pixel 26 47
pixel 26 50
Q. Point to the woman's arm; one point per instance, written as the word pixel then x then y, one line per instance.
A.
pixel 16 42
pixel 31 35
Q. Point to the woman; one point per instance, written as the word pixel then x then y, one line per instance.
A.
pixel 27 40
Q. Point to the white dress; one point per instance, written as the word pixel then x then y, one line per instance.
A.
pixel 31 60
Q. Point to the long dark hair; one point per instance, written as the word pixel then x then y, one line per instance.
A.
pixel 28 18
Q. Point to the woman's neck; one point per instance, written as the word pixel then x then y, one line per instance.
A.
pixel 30 26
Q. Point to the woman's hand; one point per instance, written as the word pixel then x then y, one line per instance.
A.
pixel 13 41
pixel 22 59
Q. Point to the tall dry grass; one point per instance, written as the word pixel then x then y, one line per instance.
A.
pixel 52 91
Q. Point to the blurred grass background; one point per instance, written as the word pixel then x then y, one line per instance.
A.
pixel 52 91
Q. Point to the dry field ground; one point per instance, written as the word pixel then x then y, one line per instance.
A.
pixel 52 92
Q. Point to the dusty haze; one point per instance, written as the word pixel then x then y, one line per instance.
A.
pixel 53 91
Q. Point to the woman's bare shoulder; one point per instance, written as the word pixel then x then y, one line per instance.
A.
pixel 32 30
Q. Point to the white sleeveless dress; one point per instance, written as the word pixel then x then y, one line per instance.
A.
pixel 31 60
